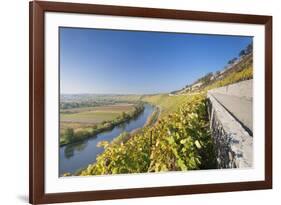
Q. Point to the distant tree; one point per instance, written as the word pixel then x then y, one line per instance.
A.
pixel 242 53
pixel 249 48
pixel 206 78
pixel 124 115
pixel 230 62
pixel 69 135
pixel 81 134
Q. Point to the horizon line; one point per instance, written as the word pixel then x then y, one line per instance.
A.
pixel 88 93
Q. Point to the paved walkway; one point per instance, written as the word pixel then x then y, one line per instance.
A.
pixel 240 107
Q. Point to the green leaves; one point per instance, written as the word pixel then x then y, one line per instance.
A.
pixel 183 141
pixel 175 143
pixel 181 164
pixel 170 140
pixel 198 145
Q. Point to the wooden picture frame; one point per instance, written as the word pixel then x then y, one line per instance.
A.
pixel 37 11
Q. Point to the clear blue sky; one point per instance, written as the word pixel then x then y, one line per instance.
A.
pixel 126 62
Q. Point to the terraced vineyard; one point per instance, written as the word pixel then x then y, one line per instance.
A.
pixel 179 141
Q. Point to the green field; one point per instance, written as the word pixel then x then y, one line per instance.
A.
pixel 166 102
pixel 127 98
pixel 77 118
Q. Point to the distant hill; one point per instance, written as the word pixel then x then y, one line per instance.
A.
pixel 241 67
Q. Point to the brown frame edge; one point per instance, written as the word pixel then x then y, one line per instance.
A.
pixel 37 194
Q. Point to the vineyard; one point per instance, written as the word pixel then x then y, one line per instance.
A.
pixel 179 141
pixel 245 74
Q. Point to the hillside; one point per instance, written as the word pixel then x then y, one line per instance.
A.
pixel 165 102
pixel 238 69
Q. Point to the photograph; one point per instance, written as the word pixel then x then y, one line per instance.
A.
pixel 136 102
pixel 132 102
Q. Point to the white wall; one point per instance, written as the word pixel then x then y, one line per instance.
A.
pixel 14 99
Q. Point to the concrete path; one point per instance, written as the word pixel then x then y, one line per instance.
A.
pixel 240 107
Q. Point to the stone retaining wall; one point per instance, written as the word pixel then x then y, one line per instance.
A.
pixel 234 145
pixel 241 89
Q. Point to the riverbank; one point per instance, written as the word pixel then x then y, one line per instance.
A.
pixel 70 136
pixel 76 156
pixel 151 120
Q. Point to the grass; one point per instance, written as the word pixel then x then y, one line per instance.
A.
pixel 166 102
pixel 74 125
pixel 89 117
pixel 76 110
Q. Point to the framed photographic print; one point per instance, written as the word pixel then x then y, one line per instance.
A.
pixel 139 102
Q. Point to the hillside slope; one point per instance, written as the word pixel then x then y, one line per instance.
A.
pixel 238 70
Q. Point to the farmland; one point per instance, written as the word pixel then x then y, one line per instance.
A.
pixel 81 122
pixel 88 116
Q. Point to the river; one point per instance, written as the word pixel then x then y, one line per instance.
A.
pixel 78 155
